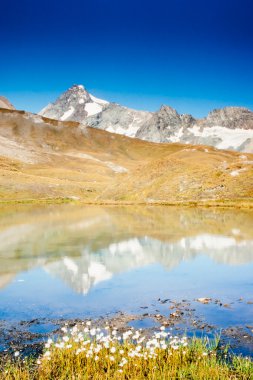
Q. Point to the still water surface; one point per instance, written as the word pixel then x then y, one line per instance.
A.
pixel 76 262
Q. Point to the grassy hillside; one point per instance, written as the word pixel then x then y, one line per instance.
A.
pixel 46 159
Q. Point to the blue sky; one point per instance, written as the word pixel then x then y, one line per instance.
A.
pixel 193 55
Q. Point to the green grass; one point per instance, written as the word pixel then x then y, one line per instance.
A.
pixel 90 353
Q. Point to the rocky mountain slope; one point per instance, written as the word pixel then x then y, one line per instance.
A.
pixel 42 158
pixel 117 119
pixel 227 128
pixel 4 103
pixel 77 104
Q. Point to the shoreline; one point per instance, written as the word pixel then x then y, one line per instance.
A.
pixel 28 336
pixel 236 204
pixel 92 351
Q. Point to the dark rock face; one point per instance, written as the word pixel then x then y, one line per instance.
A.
pixel 230 117
pixel 164 124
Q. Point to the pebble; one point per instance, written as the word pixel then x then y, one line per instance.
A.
pixel 204 300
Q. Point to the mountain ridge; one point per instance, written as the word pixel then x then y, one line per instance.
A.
pixel 226 128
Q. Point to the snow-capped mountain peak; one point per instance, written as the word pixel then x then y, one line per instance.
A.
pixel 74 104
pixel 77 104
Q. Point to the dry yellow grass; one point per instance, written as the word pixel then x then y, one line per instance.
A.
pixel 45 159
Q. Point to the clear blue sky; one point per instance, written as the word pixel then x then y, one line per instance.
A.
pixel 191 54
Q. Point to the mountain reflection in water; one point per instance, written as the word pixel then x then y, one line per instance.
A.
pixel 84 246
pixel 92 267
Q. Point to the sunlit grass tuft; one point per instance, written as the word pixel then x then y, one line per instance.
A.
pixel 87 352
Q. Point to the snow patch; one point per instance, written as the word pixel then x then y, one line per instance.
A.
pixel 45 109
pixel 81 101
pixel 133 127
pixel 231 138
pixel 68 113
pixel 97 100
pixel 130 131
pixel 92 108
pixel 177 136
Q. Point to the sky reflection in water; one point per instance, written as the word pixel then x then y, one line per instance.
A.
pixel 71 261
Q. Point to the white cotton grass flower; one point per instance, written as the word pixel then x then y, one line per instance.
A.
pixel 140 340
pixel 16 354
pixel 60 345
pixel 117 347
pixel 127 334
pixel 123 362
pixel 93 332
